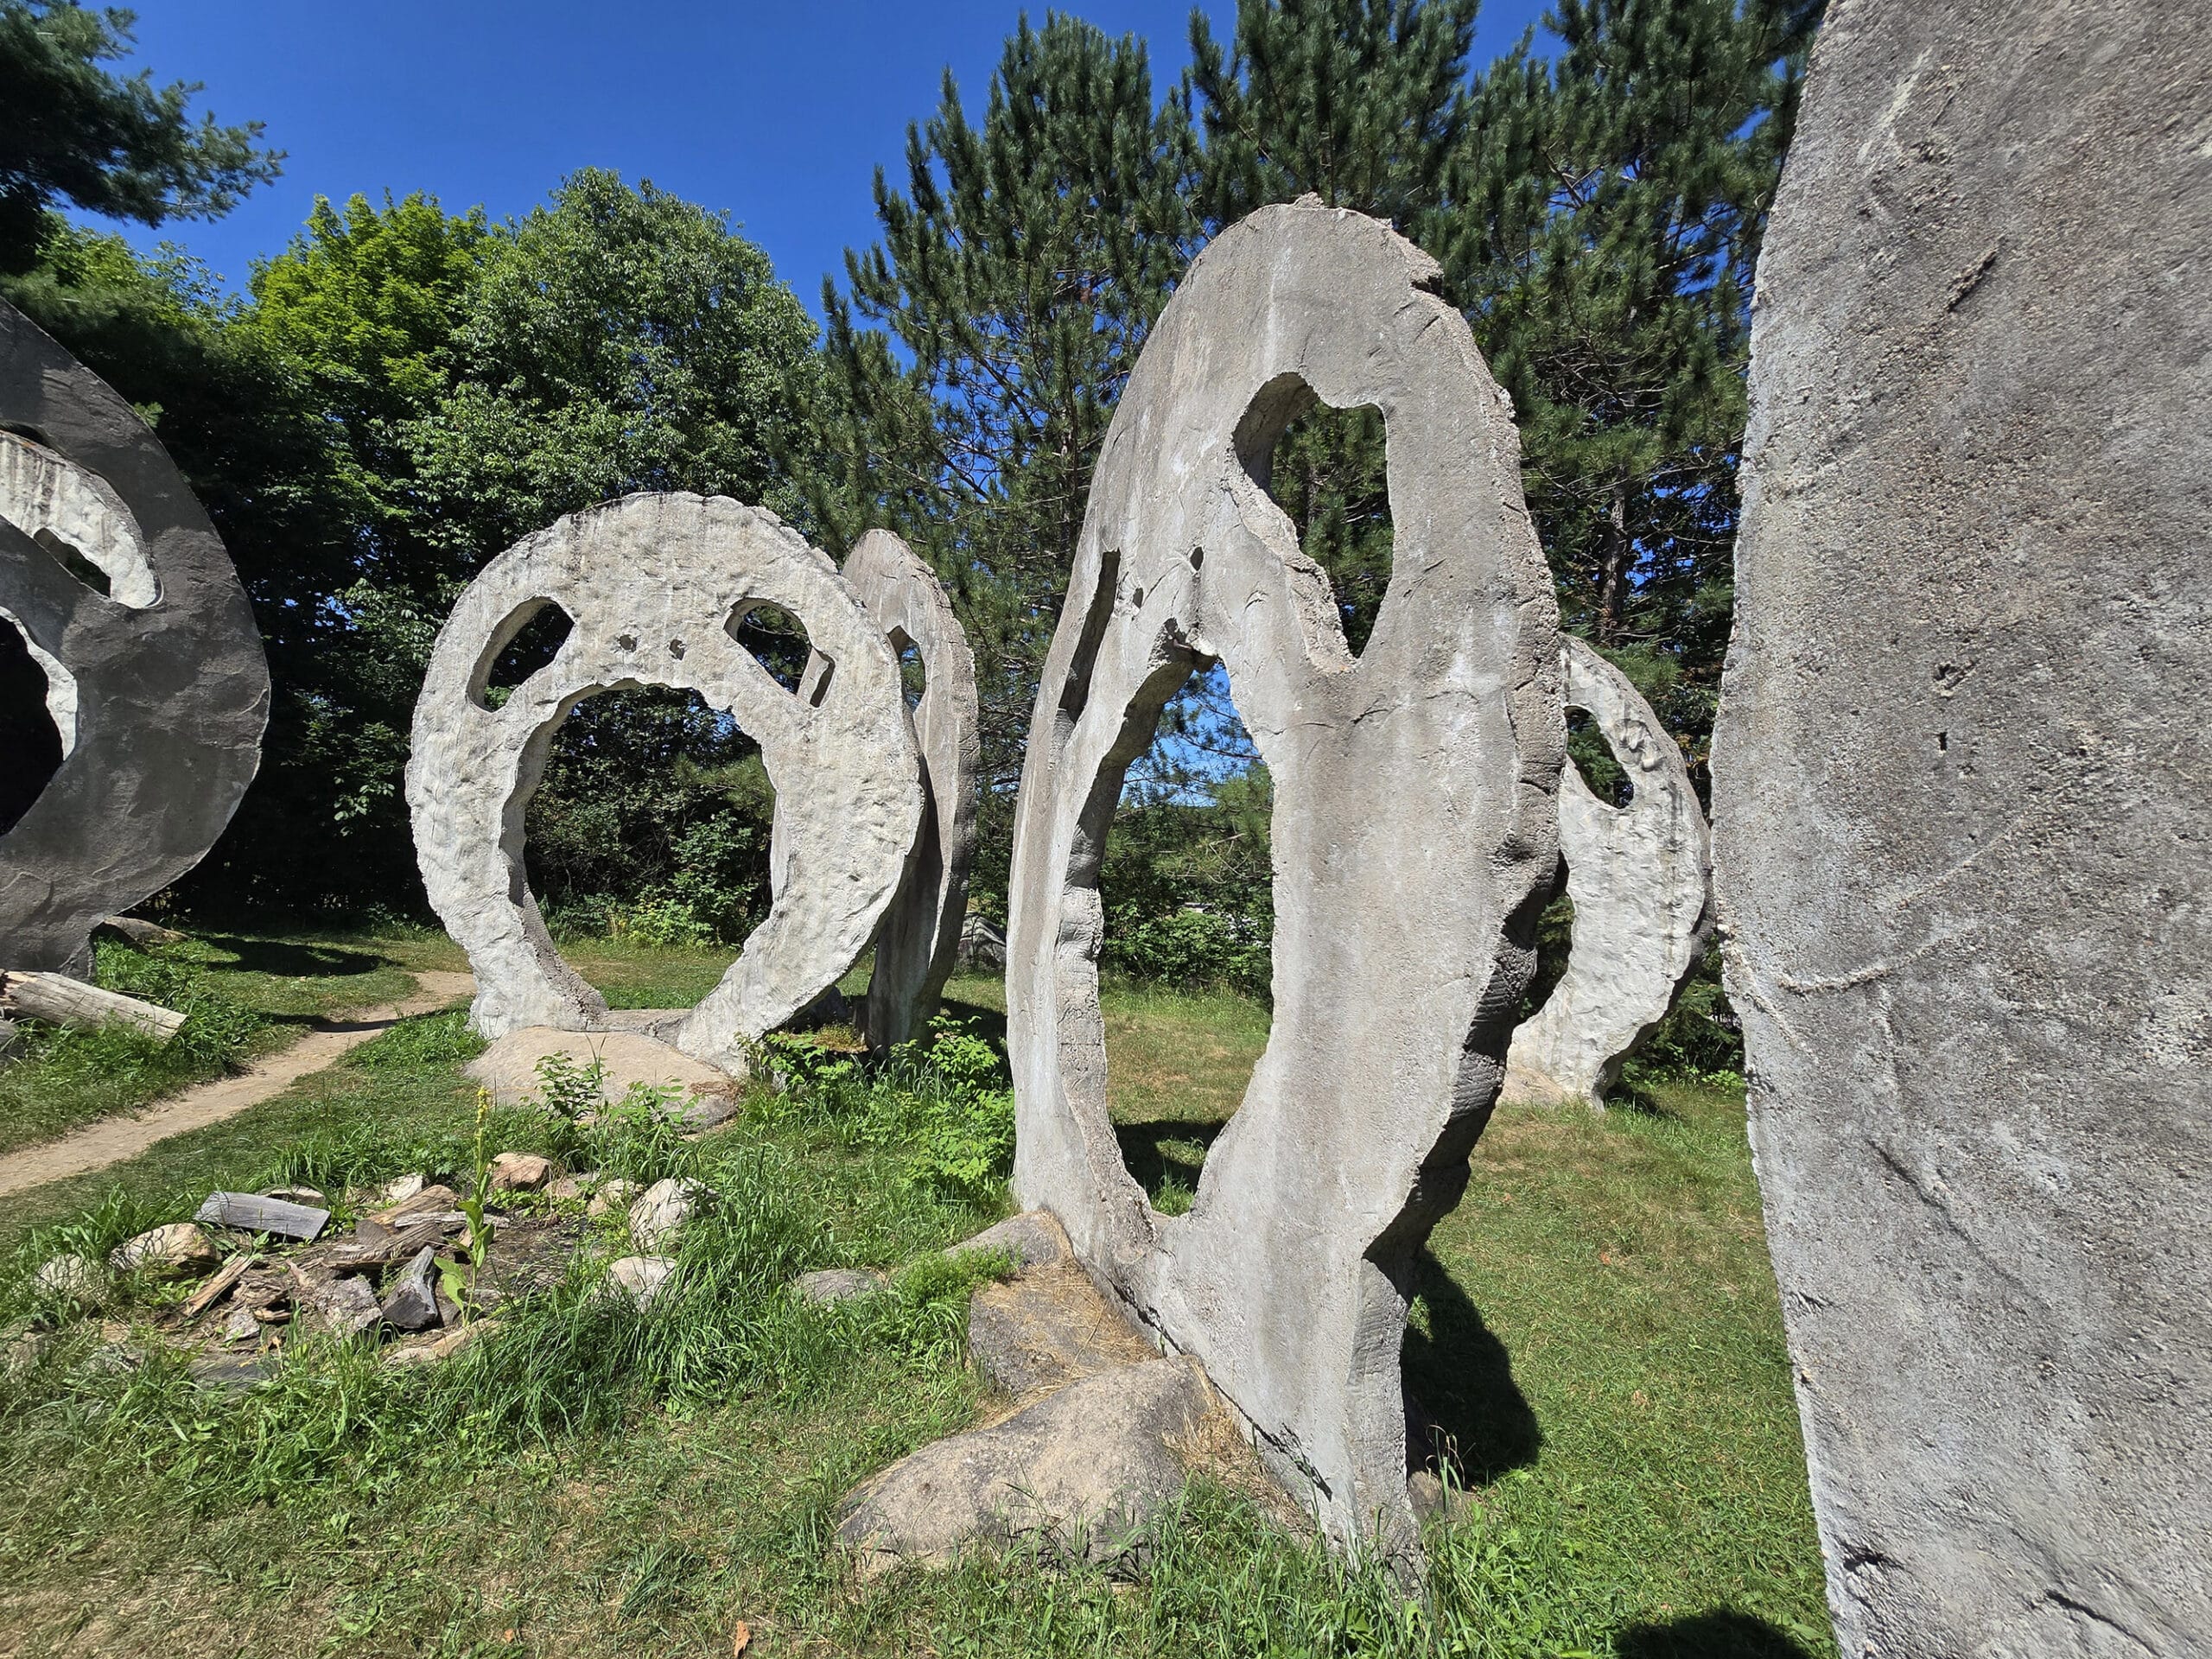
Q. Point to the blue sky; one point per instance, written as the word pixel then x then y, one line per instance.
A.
pixel 778 114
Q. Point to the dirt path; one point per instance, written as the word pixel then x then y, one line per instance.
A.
pixel 126 1134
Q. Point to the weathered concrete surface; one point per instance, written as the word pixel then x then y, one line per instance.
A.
pixel 919 942
pixel 1960 788
pixel 652 584
pixel 158 687
pixel 1637 875
pixel 1416 829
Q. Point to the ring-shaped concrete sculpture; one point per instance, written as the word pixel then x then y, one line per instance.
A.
pixel 1639 876
pixel 918 944
pixel 1415 833
pixel 156 678
pixel 653 586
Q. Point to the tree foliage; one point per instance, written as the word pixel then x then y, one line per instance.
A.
pixel 77 132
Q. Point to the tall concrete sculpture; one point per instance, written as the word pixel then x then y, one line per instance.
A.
pixel 654 586
pixel 1637 876
pixel 918 944
pixel 1960 784
pixel 155 680
pixel 1415 830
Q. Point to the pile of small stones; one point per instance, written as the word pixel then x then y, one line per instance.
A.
pixel 271 1268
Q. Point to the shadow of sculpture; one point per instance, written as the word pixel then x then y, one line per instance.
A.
pixel 1461 1376
pixel 280 959
pixel 1157 1152
pixel 1721 1634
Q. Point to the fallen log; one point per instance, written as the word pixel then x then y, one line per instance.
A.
pixel 61 1001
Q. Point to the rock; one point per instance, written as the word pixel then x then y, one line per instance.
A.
pixel 136 930
pixel 918 942
pixel 243 1326
pixel 707 1112
pixel 611 1196
pixel 156 681
pixel 572 1189
pixel 1077 1475
pixel 234 1373
pixel 419 1205
pixel 170 1252
pixel 249 1212
pixel 428 1351
pixel 1960 783
pixel 520 1171
pixel 1047 1328
pixel 346 1307
pixel 72 1278
pixel 1415 818
pixel 659 1214
pixel 640 1277
pixel 398 1190
pixel 302 1195
pixel 411 1303
pixel 508 1067
pixel 838 1285
pixel 982 945
pixel 1637 875
pixel 1033 1239
pixel 650 584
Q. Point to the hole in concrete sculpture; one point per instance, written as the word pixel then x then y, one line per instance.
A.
pixel 913 677
pixel 1601 773
pixel 1327 472
pixel 777 639
pixel 692 854
pixel 75 563
pixel 524 645
pixel 76 518
pixel 29 735
pixel 1187 888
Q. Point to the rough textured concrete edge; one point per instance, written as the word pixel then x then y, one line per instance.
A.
pixel 918 944
pixel 1639 877
pixel 652 584
pixel 1401 943
pixel 1959 787
pixel 170 697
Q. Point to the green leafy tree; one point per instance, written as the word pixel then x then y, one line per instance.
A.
pixel 77 132
pixel 976 364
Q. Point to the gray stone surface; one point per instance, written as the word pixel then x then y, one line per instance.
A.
pixel 658 1213
pixel 158 687
pixel 1033 1239
pixel 828 1284
pixel 1960 789
pixel 173 1252
pixel 652 584
pixel 919 942
pixel 640 1278
pixel 1047 1328
pixel 1076 1475
pixel 1637 875
pixel 1415 829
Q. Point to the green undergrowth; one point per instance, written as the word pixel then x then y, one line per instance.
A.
pixel 241 997
pixel 1596 1329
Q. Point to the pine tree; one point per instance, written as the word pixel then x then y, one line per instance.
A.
pixel 1610 204
pixel 1018 272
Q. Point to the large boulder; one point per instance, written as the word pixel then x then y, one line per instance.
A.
pixel 1960 784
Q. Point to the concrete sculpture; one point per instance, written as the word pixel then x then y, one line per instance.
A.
pixel 1414 830
pixel 1960 783
pixel 1637 875
pixel 654 585
pixel 919 942
pixel 155 679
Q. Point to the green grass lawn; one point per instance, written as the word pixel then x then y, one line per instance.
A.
pixel 1598 1326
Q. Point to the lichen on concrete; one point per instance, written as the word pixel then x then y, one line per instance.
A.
pixel 155 673
pixel 1637 876
pixel 653 586
pixel 1415 829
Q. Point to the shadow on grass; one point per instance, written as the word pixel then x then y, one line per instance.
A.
pixel 987 1023
pixel 1711 1636
pixel 1462 1377
pixel 1154 1152
pixel 281 959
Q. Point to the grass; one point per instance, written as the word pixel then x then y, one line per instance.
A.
pixel 1596 1324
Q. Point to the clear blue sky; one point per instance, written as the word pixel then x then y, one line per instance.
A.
pixel 778 114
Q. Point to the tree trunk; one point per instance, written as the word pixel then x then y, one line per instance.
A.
pixel 64 1002
pixel 1612 576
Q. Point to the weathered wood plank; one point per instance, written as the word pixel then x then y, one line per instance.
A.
pixel 211 1293
pixel 253 1214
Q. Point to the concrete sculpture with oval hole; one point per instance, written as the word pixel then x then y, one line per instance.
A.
pixel 1415 829
pixel 1637 874
pixel 918 944
pixel 145 649
pixel 654 586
